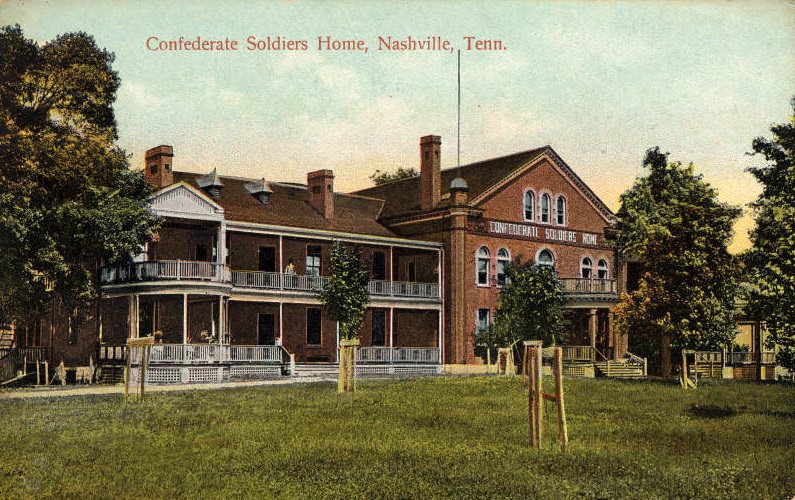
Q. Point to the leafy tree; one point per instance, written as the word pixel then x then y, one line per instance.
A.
pixel 672 220
pixel 772 258
pixel 380 177
pixel 67 196
pixel 345 295
pixel 530 307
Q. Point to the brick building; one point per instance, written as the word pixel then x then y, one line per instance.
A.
pixel 229 286
pixel 529 205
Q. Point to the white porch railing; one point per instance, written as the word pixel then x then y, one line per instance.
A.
pixel 398 355
pixel 588 285
pixel 165 269
pixel 281 281
pixel 255 353
pixel 211 353
pixel 403 289
pixel 278 281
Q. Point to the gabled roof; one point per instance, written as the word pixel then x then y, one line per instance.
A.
pixel 288 206
pixel 402 197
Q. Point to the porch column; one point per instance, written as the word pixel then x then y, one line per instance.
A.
pixel 391 263
pixel 137 316
pixel 440 312
pixel 281 308
pixel 184 318
pixel 592 326
pixel 221 319
pixel 391 327
pixel 221 245
pixel 130 317
pixel 281 270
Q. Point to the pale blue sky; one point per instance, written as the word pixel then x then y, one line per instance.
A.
pixel 600 82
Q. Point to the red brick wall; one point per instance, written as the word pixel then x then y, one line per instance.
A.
pixel 508 203
pixel 244 320
pixel 416 328
pixel 294 339
pixel 180 242
pixel 244 250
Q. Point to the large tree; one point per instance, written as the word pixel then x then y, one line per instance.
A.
pixel 67 196
pixel 672 220
pixel 772 258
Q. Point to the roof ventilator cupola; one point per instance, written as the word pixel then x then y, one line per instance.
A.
pixel 212 184
pixel 261 190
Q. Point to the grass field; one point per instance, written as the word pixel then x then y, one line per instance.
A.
pixel 455 437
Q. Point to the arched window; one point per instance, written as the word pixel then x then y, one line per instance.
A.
pixel 602 269
pixel 545 202
pixel 585 267
pixel 529 205
pixel 482 266
pixel 545 258
pixel 561 211
pixel 503 259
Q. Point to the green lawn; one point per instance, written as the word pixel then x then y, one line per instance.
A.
pixel 454 437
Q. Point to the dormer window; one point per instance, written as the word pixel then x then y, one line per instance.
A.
pixel 212 184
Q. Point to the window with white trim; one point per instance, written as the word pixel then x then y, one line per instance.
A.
pixel 313 260
pixel 503 259
pixel 484 320
pixel 546 201
pixel 545 258
pixel 602 269
pixel 529 205
pixel 561 215
pixel 586 267
pixel 482 266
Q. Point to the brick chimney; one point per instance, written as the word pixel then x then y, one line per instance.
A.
pixel 321 191
pixel 430 171
pixel 157 166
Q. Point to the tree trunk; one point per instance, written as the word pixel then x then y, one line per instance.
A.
pixel 665 355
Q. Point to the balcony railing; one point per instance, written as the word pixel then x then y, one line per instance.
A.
pixel 281 281
pixel 398 355
pixel 278 281
pixel 588 285
pixel 165 270
pixel 403 289
pixel 734 357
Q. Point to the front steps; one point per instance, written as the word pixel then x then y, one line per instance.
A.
pixel 618 369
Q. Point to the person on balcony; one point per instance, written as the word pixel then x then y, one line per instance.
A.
pixel 290 269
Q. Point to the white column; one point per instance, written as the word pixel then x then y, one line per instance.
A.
pixel 391 327
pixel 281 270
pixel 439 344
pixel 592 326
pixel 130 316
pixel 137 316
pixel 338 341
pixel 391 263
pixel 221 246
pixel 281 309
pixel 221 317
pixel 184 318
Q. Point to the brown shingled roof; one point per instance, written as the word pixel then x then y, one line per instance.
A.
pixel 288 206
pixel 402 197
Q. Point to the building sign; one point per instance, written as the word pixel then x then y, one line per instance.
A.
pixel 533 232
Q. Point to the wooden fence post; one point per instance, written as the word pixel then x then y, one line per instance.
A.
pixel 563 431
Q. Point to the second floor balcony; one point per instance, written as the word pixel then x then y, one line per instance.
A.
pixel 179 270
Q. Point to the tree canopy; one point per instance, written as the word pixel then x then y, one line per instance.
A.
pixel 67 196
pixel 382 177
pixel 345 294
pixel 672 221
pixel 772 258
pixel 530 307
